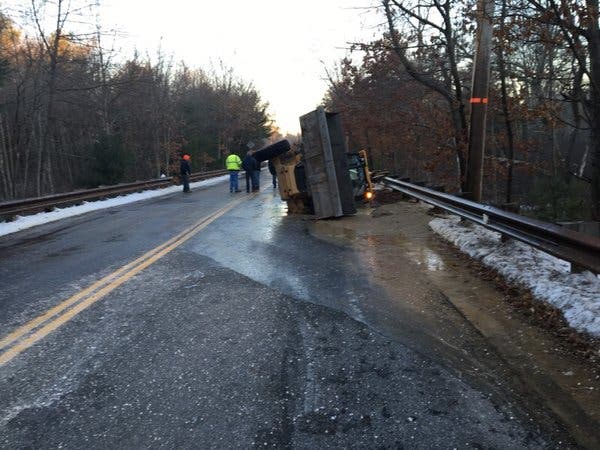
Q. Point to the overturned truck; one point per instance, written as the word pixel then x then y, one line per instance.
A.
pixel 320 177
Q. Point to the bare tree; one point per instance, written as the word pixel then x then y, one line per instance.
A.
pixel 579 26
pixel 72 117
pixel 438 18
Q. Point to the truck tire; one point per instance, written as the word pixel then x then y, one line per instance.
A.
pixel 271 151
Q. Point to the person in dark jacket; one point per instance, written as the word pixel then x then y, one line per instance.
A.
pixel 185 170
pixel 273 173
pixel 252 167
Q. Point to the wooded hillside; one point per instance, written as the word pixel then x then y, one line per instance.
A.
pixel 408 99
pixel 75 114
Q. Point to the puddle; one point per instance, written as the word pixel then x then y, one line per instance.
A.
pixel 427 258
pixel 567 385
pixel 330 231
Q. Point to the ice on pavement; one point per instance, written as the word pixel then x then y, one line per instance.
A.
pixel 548 278
pixel 24 222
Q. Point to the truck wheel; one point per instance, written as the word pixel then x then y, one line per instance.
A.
pixel 271 151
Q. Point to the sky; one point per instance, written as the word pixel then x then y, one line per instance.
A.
pixel 281 46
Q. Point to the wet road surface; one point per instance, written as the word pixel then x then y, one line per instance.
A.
pixel 260 330
pixel 402 247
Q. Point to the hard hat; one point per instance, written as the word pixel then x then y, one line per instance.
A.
pixel 186 157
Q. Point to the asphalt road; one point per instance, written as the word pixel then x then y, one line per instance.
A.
pixel 251 331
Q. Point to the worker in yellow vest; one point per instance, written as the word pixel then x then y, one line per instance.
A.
pixel 233 163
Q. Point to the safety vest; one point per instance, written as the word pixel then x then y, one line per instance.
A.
pixel 233 162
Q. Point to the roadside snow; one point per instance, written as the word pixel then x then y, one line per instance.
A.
pixel 24 222
pixel 548 278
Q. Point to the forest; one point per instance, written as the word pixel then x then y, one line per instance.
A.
pixel 74 113
pixel 405 98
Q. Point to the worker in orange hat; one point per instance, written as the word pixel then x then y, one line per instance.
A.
pixel 185 171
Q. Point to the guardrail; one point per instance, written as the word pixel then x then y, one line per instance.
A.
pixel 576 248
pixel 37 204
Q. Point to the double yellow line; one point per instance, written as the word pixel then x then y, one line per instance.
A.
pixel 36 329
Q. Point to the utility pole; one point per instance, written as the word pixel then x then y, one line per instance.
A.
pixel 479 98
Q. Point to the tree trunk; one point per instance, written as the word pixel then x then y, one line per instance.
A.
pixel 49 133
pixel 594 107
pixel 5 171
pixel 510 140
pixel 38 176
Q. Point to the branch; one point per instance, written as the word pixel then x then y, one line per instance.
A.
pixel 36 18
pixel 104 85
pixel 334 85
pixel 421 19
pixel 557 19
pixel 566 29
pixel 408 65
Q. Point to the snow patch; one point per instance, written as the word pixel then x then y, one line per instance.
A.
pixel 24 222
pixel 548 278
